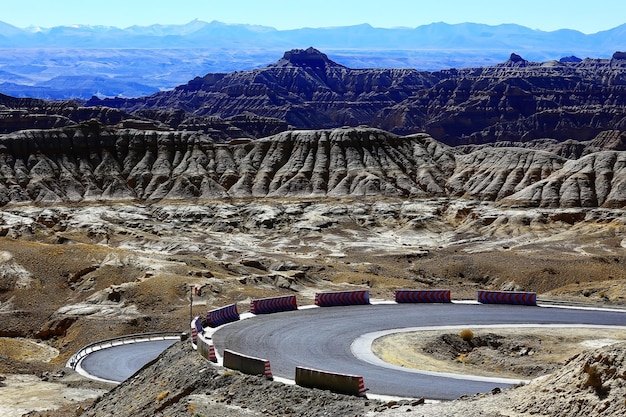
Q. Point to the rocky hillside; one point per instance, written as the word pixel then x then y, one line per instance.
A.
pixel 590 384
pixel 25 113
pixel 516 100
pixel 90 162
pixel 187 384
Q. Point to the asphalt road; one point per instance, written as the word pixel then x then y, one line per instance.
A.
pixel 120 362
pixel 321 338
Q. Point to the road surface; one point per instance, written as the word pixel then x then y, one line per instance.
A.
pixel 119 362
pixel 321 338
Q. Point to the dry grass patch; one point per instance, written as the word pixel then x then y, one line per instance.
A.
pixel 550 347
pixel 26 350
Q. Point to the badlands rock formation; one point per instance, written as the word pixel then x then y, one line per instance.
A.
pixel 243 217
pixel 90 162
pixel 516 100
pixel 23 113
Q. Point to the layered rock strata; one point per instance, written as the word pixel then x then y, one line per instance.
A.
pixel 516 100
pixel 89 162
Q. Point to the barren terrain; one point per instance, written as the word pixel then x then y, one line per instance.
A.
pixel 112 217
pixel 73 274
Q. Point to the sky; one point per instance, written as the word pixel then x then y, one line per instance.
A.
pixel 587 16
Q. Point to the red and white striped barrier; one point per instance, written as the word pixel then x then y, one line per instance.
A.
pixel 268 370
pixel 339 383
pixel 342 298
pixel 422 296
pixel 206 349
pixel 273 305
pixel 247 364
pixel 196 328
pixel 507 297
pixel 222 315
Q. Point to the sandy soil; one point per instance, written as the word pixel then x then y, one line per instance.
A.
pixel 21 394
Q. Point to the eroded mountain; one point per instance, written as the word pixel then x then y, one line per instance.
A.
pixel 92 162
pixel 516 100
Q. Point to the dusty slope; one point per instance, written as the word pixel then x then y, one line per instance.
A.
pixel 121 263
pixel 206 390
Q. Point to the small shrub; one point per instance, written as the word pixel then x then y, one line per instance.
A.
pixel 466 335
pixel 462 358
pixel 594 378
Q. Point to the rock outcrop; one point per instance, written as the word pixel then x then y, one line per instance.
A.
pixel 21 114
pixel 494 173
pixel 24 113
pixel 593 383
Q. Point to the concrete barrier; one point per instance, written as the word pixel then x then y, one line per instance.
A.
pixel 507 297
pixel 339 383
pixel 273 305
pixel 422 296
pixel 206 349
pixel 219 316
pixel 342 298
pixel 247 364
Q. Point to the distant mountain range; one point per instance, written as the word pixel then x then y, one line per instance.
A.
pixel 197 34
pixel 81 61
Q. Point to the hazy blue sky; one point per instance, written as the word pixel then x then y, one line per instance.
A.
pixel 587 16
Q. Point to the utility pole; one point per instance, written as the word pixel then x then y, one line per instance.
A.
pixel 192 288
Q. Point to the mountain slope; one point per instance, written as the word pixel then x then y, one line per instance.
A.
pixel 89 162
pixel 594 180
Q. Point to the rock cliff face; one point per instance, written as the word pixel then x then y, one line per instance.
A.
pixel 516 100
pixel 595 180
pixel 90 162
